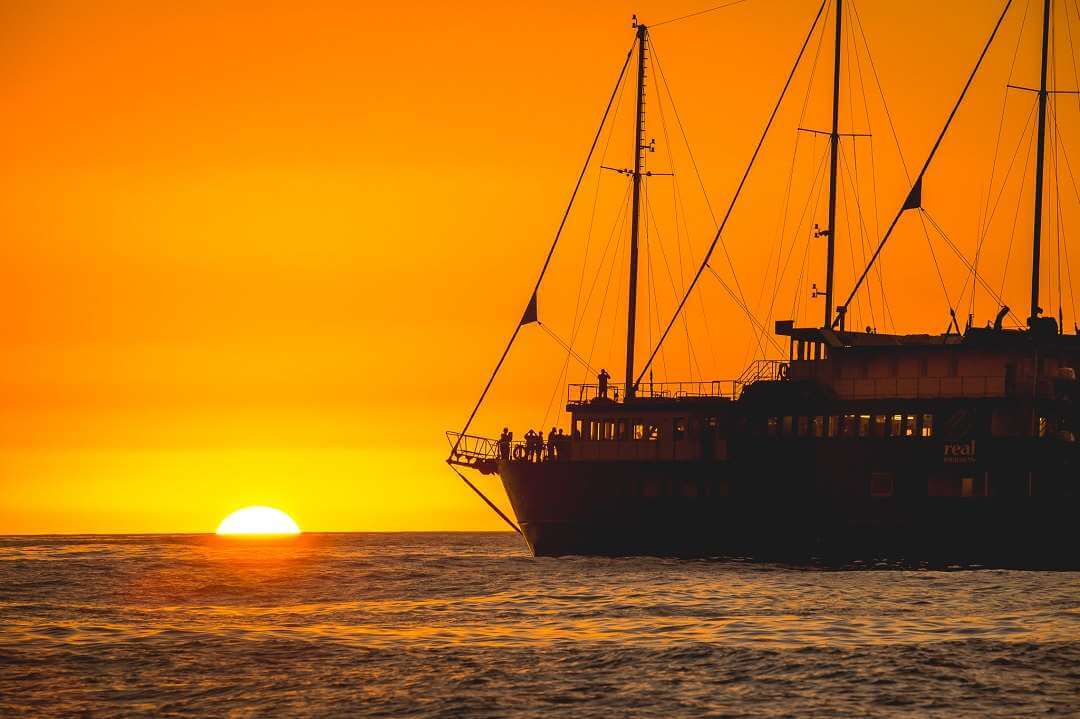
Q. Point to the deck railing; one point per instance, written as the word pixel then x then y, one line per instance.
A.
pixel 586 393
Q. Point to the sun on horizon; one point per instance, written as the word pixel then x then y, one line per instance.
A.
pixel 258 520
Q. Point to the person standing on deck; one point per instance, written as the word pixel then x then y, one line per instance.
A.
pixel 552 447
pixel 504 444
pixel 602 381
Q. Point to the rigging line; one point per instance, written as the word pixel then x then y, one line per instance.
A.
pixel 886 312
pixel 852 180
pixel 1016 215
pixel 697 170
pixel 812 201
pixel 576 319
pixel 956 250
pixel 984 230
pixel 1068 267
pixel 691 358
pixel 1065 244
pixel 881 91
pixel 851 242
pixel 482 496
pixel 937 266
pixel 674 290
pixel 1029 126
pixel 614 235
pixel 695 14
pixel 566 346
pixel 933 151
pixel 1072 50
pixel 735 197
pixel 984 223
pixel 611 272
pixel 551 252
pixel 731 292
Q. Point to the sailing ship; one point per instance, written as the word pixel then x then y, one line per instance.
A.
pixel 941 447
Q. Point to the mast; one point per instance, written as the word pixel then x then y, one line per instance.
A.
pixel 834 145
pixel 1039 161
pixel 639 149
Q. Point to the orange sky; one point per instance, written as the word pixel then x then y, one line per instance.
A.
pixel 266 253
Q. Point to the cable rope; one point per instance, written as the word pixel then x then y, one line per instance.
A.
pixel 611 271
pixel 562 343
pixel 1065 244
pixel 956 250
pixel 697 171
pixel 812 200
pixel 930 157
pixel 735 197
pixel 1016 215
pixel 987 215
pixel 847 173
pixel 699 12
pixel 547 262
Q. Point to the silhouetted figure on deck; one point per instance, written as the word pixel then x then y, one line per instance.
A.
pixel 504 444
pixel 562 441
pixel 552 447
pixel 530 446
pixel 602 380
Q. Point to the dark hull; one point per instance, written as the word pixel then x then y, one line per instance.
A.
pixel 704 509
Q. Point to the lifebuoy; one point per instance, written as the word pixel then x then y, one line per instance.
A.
pixel 519 452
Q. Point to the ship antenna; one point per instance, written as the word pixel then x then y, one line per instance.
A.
pixel 834 144
pixel 1039 160
pixel 640 148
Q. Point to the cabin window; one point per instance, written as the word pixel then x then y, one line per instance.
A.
pixel 804 426
pixel 639 429
pixel 678 428
pixel 1043 427
pixel 881 484
pixel 851 426
pixel 652 432
pixel 578 428
pixel 787 427
pixel 819 426
pixel 594 429
pixel 712 423
pixel 896 425
pixel 864 425
pixel 608 430
pixel 973 487
pixel 834 426
pixel 928 425
pixel 909 425
pixel 772 426
pixel 620 429
pixel 881 426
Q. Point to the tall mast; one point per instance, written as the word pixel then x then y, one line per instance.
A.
pixel 1039 158
pixel 640 148
pixel 834 146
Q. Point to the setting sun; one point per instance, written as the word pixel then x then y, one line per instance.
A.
pixel 258 520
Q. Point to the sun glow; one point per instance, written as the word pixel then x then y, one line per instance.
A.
pixel 258 520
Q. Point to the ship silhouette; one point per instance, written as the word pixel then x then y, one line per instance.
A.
pixel 940 447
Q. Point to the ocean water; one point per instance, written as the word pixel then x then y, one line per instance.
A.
pixel 469 625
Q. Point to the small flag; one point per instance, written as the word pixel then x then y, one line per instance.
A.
pixel 914 198
pixel 530 315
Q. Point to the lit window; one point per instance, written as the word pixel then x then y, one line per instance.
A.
pixel 881 425
pixel 787 426
pixel 772 426
pixel 639 429
pixel 909 425
pixel 928 425
pixel 834 425
pixel 819 426
pixel 678 427
pixel 864 425
pixel 896 425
